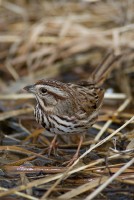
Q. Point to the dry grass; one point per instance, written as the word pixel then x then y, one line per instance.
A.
pixel 66 40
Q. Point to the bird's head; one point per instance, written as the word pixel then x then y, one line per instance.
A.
pixel 48 93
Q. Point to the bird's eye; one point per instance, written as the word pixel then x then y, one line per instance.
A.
pixel 43 90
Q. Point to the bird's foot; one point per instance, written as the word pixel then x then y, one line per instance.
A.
pixel 72 160
pixel 76 155
pixel 53 146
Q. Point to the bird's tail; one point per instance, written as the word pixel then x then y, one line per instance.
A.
pixel 101 72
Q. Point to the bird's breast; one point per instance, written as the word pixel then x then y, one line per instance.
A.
pixel 61 124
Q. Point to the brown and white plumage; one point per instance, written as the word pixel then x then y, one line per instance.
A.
pixel 67 108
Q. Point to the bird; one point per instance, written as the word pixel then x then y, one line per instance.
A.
pixel 71 108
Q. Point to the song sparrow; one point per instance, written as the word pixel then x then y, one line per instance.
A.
pixel 68 108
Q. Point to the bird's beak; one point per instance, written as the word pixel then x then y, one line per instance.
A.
pixel 29 88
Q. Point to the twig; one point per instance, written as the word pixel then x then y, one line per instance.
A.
pixel 20 194
pixel 14 113
pixel 104 185
pixel 107 124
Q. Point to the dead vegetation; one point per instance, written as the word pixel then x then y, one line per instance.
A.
pixel 66 40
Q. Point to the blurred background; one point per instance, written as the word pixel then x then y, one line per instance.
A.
pixel 63 40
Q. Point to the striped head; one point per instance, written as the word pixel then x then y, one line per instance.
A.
pixel 48 93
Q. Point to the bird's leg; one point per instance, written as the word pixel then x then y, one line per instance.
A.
pixel 52 145
pixel 76 155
